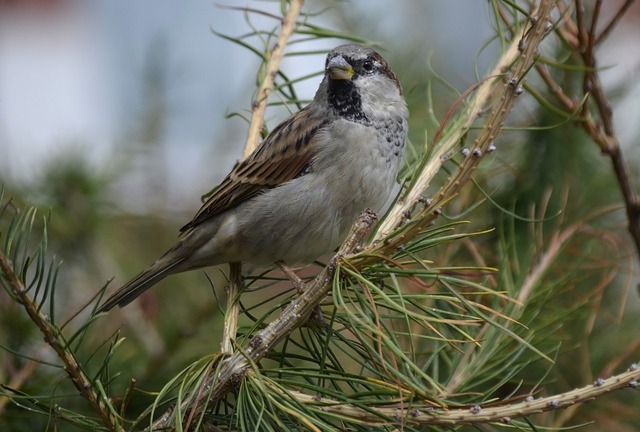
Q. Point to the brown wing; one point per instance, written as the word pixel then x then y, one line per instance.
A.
pixel 282 156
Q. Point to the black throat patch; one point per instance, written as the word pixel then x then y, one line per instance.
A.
pixel 345 99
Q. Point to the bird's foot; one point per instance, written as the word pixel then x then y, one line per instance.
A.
pixel 317 317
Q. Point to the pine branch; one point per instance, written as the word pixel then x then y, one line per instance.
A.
pixel 259 107
pixel 258 110
pixel 54 339
pixel 494 413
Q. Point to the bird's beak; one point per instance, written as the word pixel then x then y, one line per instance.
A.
pixel 339 68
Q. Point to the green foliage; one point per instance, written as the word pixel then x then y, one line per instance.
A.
pixel 514 289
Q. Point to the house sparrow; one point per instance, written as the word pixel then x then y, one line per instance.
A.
pixel 297 195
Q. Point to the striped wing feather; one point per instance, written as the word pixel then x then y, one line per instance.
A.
pixel 281 157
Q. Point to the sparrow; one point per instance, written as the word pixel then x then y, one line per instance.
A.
pixel 297 195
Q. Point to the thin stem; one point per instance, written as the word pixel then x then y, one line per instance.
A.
pixel 253 139
pixel 18 378
pixel 582 32
pixel 502 413
pixel 594 24
pixel 614 22
pixel 232 312
pixel 273 65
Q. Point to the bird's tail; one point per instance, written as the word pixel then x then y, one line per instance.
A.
pixel 159 270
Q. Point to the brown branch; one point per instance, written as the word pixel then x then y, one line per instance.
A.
pixel 566 27
pixel 273 65
pixel 18 378
pixel 555 88
pixel 594 25
pixel 233 308
pixel 54 339
pixel 581 31
pixel 604 135
pixel 601 130
pixel 631 200
pixel 614 22
pixel 557 243
pixel 504 413
pixel 258 110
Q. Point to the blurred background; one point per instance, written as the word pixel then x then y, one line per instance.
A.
pixel 139 92
pixel 117 116
pixel 143 89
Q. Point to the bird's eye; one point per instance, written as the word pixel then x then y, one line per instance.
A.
pixel 367 65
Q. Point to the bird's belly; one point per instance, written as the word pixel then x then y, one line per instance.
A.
pixel 309 216
pixel 316 218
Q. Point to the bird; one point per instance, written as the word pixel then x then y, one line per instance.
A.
pixel 296 196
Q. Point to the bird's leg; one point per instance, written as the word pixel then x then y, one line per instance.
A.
pixel 298 283
pixel 300 286
pixel 236 285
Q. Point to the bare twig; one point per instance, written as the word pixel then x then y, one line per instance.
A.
pixel 555 88
pixel 293 277
pixel 503 413
pixel 556 245
pixel 258 110
pixel 582 32
pixel 18 378
pixel 54 339
pixel 233 308
pixel 273 65
pixel 594 25
pixel 614 21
